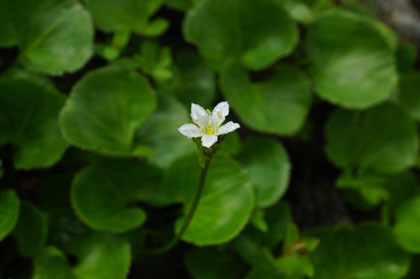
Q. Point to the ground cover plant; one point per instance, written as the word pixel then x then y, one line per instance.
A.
pixel 207 139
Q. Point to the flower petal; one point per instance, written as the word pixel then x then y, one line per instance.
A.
pixel 199 115
pixel 220 111
pixel 208 140
pixel 190 130
pixel 228 127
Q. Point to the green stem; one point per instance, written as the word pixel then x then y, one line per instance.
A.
pixel 191 211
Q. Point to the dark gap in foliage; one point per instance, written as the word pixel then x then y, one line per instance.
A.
pixel 314 199
pixel 8 57
pixel 168 265
pixel 13 265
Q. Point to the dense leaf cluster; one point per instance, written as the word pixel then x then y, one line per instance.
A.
pixel 94 174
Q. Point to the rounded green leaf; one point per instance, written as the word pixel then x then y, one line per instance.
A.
pixel 9 211
pixel 104 194
pixel 279 105
pixel 383 139
pixel 255 33
pixel 367 252
pixel 115 15
pixel 407 225
pixel 161 132
pixel 213 263
pixel 408 94
pixel 31 230
pixel 225 205
pixel 354 62
pixel 105 109
pixel 268 167
pixel 29 120
pixel 55 39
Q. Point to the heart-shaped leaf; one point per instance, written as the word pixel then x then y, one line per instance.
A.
pixel 115 15
pixel 104 194
pixel 366 252
pixel 29 120
pixel 279 105
pixel 225 205
pixel 355 65
pixel 105 109
pixel 57 38
pixel 383 139
pixel 255 33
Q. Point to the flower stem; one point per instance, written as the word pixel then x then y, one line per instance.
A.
pixel 191 211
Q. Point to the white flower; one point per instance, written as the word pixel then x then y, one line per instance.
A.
pixel 207 124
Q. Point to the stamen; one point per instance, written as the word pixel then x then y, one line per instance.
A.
pixel 208 111
pixel 218 114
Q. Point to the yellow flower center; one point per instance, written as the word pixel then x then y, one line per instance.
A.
pixel 207 130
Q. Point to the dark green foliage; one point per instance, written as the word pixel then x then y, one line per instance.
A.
pixel 95 177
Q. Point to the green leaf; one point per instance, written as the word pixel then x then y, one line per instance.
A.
pixel 354 61
pixel 9 211
pixel 278 106
pixel 400 188
pixel 231 143
pixel 252 252
pixel 258 221
pixel 52 264
pixel 105 109
pixel 292 236
pixel 161 132
pixel 408 95
pixel 104 194
pixel 407 225
pixel 278 218
pixel 296 266
pixel 193 81
pixel 366 252
pixel 100 256
pixel 255 33
pixel 268 167
pixel 225 205
pixel 29 120
pixel 214 263
pixel 255 246
pixel 155 60
pixel 298 10
pixel 382 139
pixel 370 187
pixel 31 230
pixel 53 36
pixel 114 15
